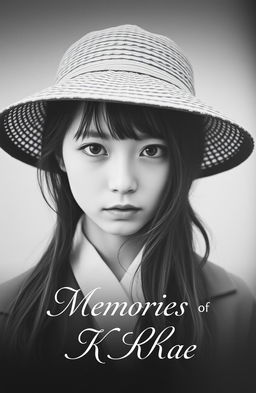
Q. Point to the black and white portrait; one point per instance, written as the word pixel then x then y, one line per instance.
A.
pixel 127 170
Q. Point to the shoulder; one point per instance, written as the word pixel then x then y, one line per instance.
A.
pixel 232 303
pixel 220 282
pixel 10 289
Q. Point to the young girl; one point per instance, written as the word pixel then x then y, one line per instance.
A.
pixel 119 291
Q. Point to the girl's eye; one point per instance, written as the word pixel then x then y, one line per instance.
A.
pixel 94 149
pixel 153 151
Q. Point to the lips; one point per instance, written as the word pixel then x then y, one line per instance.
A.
pixel 123 208
pixel 122 212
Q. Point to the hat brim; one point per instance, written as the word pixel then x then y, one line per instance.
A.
pixel 227 144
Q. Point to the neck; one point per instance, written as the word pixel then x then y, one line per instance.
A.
pixel 117 251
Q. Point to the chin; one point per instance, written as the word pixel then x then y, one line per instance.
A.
pixel 123 228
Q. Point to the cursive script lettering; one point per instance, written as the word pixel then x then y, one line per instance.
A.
pixel 148 335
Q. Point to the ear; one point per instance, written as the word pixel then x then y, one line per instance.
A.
pixel 61 163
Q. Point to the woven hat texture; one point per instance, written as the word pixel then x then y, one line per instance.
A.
pixel 131 65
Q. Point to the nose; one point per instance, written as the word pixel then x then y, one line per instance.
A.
pixel 122 178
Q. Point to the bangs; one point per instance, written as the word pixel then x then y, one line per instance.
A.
pixel 124 121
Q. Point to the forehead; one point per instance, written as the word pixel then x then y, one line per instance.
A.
pixel 112 121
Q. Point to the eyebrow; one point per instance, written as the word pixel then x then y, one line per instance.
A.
pixel 96 134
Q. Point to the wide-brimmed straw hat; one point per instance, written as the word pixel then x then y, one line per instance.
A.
pixel 125 64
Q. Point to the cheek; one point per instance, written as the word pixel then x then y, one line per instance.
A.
pixel 85 186
pixel 156 181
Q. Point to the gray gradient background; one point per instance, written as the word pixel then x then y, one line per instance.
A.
pixel 217 36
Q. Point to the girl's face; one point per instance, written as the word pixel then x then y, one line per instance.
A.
pixel 117 183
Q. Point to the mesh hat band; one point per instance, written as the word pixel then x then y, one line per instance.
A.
pixel 127 66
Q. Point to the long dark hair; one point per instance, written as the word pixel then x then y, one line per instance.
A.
pixel 169 263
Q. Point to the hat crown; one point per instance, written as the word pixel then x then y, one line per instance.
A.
pixel 127 48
